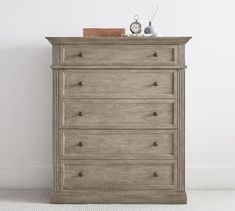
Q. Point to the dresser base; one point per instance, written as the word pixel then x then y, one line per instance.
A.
pixel 119 197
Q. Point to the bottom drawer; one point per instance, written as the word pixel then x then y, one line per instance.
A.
pixel 118 174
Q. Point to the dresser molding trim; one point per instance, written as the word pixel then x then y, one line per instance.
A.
pixel 120 196
pixel 118 40
pixel 61 67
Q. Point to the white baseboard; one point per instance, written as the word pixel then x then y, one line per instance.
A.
pixel 40 177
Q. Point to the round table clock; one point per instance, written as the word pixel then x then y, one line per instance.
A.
pixel 135 26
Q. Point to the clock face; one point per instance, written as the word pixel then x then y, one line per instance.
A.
pixel 135 27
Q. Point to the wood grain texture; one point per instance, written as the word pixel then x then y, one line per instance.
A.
pixel 106 128
pixel 118 84
pixel 118 174
pixel 118 113
pixel 118 144
pixel 109 55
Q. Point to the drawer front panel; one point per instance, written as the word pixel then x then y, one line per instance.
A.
pixel 118 54
pixel 117 83
pixel 118 174
pixel 121 144
pixel 117 113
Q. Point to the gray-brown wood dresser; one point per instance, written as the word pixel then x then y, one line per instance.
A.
pixel 118 120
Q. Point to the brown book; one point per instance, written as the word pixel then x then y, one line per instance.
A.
pixel 103 32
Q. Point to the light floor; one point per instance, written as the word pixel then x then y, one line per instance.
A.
pixel 22 200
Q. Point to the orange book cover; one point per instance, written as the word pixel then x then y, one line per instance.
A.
pixel 103 32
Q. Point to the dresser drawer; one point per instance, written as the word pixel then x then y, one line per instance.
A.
pixel 118 54
pixel 118 174
pixel 118 144
pixel 118 113
pixel 118 83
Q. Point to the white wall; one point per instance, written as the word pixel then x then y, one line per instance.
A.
pixel 26 87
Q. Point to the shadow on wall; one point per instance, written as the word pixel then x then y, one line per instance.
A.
pixel 26 90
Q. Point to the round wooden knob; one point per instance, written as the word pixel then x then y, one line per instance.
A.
pixel 155 174
pixel 80 144
pixel 80 83
pixel 80 174
pixel 155 144
pixel 155 83
pixel 155 54
pixel 80 114
pixel 81 54
pixel 155 114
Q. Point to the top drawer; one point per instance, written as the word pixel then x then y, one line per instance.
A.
pixel 107 55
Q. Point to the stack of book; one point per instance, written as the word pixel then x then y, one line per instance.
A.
pixel 103 32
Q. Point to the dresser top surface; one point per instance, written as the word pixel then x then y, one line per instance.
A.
pixel 118 40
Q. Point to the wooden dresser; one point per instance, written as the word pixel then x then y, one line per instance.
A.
pixel 118 120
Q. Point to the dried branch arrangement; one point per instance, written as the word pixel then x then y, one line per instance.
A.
pixel 151 12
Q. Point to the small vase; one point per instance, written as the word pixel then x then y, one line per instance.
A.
pixel 150 29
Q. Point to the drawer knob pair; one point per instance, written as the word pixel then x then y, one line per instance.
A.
pixel 155 174
pixel 155 113
pixel 80 54
pixel 155 54
pixel 80 83
pixel 80 114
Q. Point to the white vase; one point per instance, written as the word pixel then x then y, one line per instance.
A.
pixel 150 29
